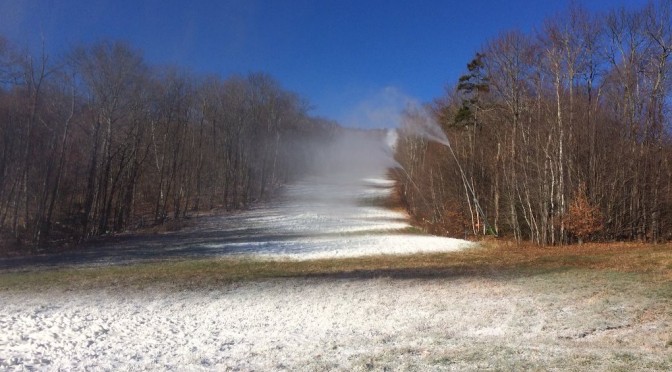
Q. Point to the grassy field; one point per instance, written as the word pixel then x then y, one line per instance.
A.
pixel 499 259
pixel 501 306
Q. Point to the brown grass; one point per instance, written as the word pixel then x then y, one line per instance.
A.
pixel 492 259
pixel 655 259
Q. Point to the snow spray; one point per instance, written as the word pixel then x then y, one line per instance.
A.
pixel 420 123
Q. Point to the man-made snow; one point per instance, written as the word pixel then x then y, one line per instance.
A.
pixel 318 219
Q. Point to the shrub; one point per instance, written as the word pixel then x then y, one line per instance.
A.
pixel 583 218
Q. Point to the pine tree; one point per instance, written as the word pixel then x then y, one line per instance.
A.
pixel 471 87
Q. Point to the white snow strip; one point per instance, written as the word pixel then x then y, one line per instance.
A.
pixel 326 217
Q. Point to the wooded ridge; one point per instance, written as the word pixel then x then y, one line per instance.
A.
pixel 563 135
pixel 99 141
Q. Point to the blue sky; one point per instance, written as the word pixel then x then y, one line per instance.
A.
pixel 357 62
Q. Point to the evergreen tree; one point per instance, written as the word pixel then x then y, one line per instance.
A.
pixel 472 87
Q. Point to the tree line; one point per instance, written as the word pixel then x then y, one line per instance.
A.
pixel 99 141
pixel 557 136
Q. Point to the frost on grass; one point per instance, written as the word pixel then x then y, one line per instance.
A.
pixel 346 324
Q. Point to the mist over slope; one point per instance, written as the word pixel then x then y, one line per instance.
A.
pixel 352 153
